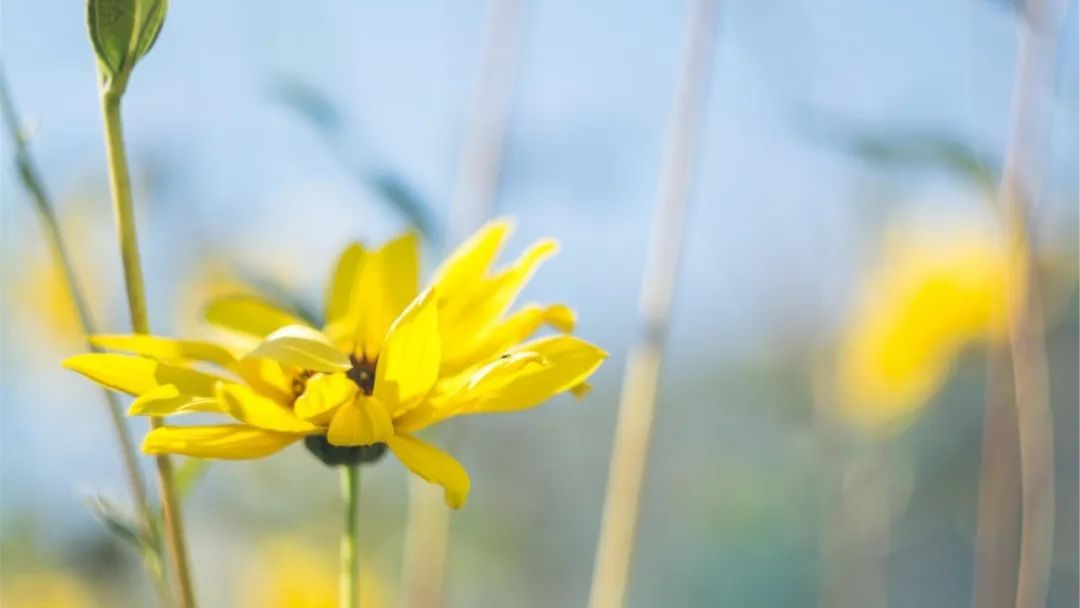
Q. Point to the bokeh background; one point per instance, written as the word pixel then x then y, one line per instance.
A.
pixel 264 136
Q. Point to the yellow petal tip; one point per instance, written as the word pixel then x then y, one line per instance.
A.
pixel 560 317
pixel 455 500
pixel 580 391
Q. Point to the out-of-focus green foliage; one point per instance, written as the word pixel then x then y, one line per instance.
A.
pixel 925 150
pixel 327 119
pixel 273 290
pixel 123 526
pixel 907 148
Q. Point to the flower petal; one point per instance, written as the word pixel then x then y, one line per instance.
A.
pixel 506 286
pixel 322 394
pixel 249 407
pixel 527 377
pixel 139 375
pixel 569 361
pixel 466 315
pixel 363 421
pixel 168 349
pixel 409 363
pixel 388 280
pixel 434 466
pixel 249 315
pixel 582 390
pixel 302 347
pixel 227 441
pixel 167 401
pixel 343 283
pixel 506 334
pixel 472 259
pixel 268 378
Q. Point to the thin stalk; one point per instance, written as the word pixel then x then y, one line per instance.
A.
pixel 120 185
pixel 350 538
pixel 427 530
pixel 997 533
pixel 642 374
pixel 485 132
pixel 427 536
pixel 46 212
pixel 1028 138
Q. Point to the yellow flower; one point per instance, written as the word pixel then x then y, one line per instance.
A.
pixel 388 362
pixel 40 291
pixel 288 574
pixel 44 588
pixel 938 287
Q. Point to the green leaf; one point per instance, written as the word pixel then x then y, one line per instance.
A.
pixel 311 104
pixel 903 149
pixel 119 523
pixel 123 31
pixel 925 150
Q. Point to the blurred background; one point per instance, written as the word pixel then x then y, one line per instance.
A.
pixel 264 136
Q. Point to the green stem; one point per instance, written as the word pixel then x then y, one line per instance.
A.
pixel 120 184
pixel 350 568
pixel 46 212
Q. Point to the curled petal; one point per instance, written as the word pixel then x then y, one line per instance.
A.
pixel 433 465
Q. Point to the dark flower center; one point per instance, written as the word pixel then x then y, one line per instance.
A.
pixel 362 373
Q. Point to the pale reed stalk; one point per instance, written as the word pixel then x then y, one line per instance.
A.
pixel 997 534
pixel 642 374
pixel 427 531
pixel 1028 139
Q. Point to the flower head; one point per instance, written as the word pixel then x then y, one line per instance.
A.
pixel 287 573
pixel 387 362
pixel 937 288
pixel 45 588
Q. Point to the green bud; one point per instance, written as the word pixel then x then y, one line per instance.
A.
pixel 122 32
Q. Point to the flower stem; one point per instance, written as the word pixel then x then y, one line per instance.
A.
pixel 46 212
pixel 120 185
pixel 350 568
pixel 642 374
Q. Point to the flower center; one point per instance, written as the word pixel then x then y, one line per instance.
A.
pixel 362 373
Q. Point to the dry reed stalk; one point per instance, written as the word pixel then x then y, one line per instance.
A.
pixel 427 530
pixel 642 374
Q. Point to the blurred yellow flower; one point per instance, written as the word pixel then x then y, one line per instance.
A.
pixel 43 292
pixel 286 573
pixel 39 288
pixel 44 589
pixel 388 362
pixel 939 285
